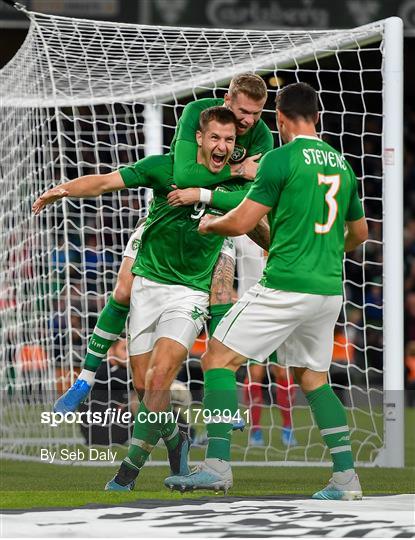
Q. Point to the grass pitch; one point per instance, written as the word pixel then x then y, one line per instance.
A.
pixel 41 485
pixel 34 485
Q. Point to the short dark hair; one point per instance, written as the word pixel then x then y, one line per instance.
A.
pixel 298 100
pixel 222 115
pixel 250 84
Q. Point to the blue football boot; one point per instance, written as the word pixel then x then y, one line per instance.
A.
pixel 73 397
pixel 124 480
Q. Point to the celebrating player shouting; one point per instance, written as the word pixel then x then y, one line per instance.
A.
pixel 309 192
pixel 170 295
pixel 245 98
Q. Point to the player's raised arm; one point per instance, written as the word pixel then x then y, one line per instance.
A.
pixel 91 185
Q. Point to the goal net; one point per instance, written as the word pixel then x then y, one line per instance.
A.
pixel 83 97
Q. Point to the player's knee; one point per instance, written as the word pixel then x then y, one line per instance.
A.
pixel 210 360
pixel 138 383
pixel 310 380
pixel 162 375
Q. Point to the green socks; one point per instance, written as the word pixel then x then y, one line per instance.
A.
pixel 331 419
pixel 220 406
pixel 146 435
pixel 110 324
pixel 170 431
pixel 149 426
pixel 217 312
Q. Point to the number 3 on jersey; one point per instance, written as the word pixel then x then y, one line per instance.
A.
pixel 334 182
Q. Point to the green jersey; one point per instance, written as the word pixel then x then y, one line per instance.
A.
pixel 188 173
pixel 171 250
pixel 312 191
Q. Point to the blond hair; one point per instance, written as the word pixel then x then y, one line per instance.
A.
pixel 253 86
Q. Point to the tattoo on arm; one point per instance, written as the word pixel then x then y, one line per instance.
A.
pixel 222 281
pixel 260 235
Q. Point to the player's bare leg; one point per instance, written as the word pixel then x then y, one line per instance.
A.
pixel 155 418
pixel 221 290
pixel 331 419
pixel 110 324
pixel 139 365
pixel 220 405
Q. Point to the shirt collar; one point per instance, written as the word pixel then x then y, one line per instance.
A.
pixel 306 137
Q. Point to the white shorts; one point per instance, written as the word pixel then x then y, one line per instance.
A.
pixel 250 263
pixel 171 311
pixel 299 326
pixel 133 243
pixel 228 248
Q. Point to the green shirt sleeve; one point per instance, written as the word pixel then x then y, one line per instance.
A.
pixel 270 178
pixel 355 210
pixel 228 200
pixel 133 176
pixel 152 172
pixel 186 172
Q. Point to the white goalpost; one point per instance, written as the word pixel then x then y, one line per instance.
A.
pixel 83 97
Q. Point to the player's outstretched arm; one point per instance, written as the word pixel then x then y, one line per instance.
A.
pixel 91 185
pixel 356 234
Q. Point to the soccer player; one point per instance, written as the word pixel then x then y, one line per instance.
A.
pixel 246 99
pixel 309 192
pixel 251 260
pixel 170 294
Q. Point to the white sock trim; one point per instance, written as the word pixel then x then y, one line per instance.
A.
pixel 175 432
pixel 338 449
pixel 88 376
pixel 105 335
pixel 97 354
pixel 333 431
pixel 144 445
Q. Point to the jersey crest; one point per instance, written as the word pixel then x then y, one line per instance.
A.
pixel 238 154
pixel 136 244
pixel 196 313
